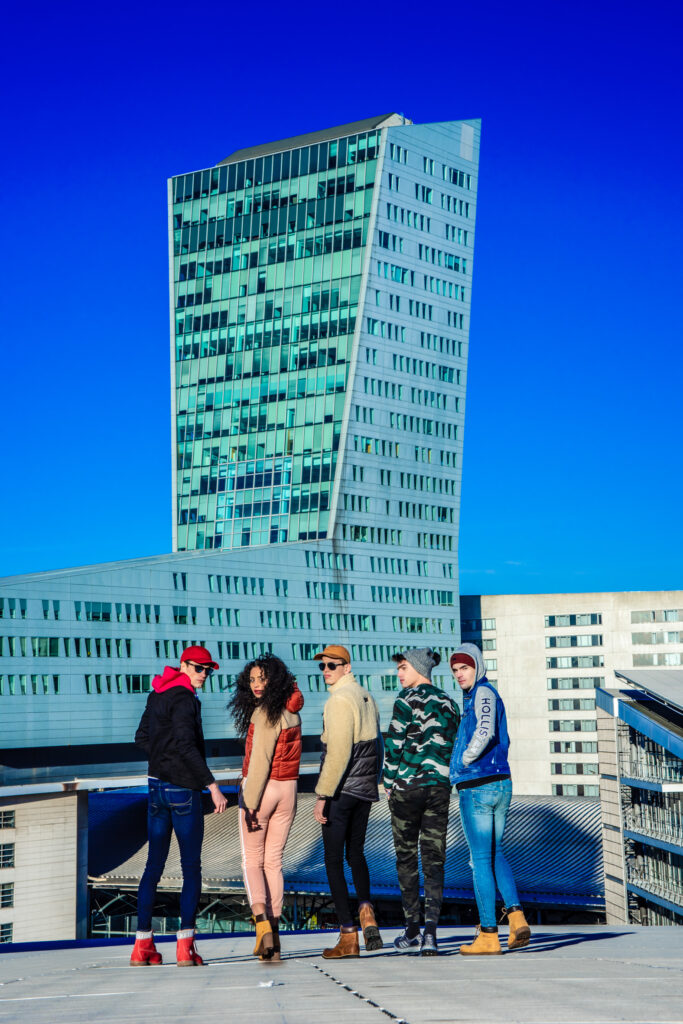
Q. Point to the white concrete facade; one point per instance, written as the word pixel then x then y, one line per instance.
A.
pixel 544 648
pixel 49 840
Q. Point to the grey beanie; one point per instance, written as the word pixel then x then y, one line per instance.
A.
pixel 423 660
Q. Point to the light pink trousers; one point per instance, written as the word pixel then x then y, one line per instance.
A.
pixel 262 848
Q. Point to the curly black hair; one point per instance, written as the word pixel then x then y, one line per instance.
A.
pixel 279 689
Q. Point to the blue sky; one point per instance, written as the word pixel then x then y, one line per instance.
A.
pixel 572 470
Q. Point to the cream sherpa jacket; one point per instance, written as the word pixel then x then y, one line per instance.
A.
pixel 349 738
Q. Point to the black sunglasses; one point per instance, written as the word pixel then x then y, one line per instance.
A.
pixel 200 668
pixel 330 664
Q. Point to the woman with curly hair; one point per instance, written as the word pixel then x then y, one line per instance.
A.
pixel 265 710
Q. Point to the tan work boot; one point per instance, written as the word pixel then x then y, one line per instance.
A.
pixel 520 932
pixel 347 946
pixel 371 935
pixel 485 944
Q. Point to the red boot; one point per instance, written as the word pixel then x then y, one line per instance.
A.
pixel 144 952
pixel 186 951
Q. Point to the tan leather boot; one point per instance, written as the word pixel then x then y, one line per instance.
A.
pixel 485 944
pixel 263 947
pixel 347 946
pixel 520 932
pixel 274 924
pixel 371 935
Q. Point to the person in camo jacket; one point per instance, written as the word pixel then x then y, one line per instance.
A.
pixel 417 755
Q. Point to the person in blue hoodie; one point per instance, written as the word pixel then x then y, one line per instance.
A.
pixel 481 773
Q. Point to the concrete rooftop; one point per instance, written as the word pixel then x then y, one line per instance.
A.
pixel 588 975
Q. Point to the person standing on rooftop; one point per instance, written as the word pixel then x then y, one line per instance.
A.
pixel 265 708
pixel 170 733
pixel 346 789
pixel 416 758
pixel 481 773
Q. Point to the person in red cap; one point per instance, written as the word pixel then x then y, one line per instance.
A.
pixel 170 733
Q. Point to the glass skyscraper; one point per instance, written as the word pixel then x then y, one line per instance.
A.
pixel 321 288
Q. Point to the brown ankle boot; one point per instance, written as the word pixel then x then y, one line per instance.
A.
pixel 371 935
pixel 274 924
pixel 263 947
pixel 485 944
pixel 520 932
pixel 347 946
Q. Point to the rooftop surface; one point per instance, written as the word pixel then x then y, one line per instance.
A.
pixel 596 975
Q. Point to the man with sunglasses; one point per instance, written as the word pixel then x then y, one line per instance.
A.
pixel 170 733
pixel 346 789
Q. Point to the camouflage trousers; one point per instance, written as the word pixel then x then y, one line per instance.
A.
pixel 419 815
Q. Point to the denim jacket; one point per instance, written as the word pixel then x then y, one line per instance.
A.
pixel 493 760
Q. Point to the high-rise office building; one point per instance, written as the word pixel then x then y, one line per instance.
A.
pixel 321 291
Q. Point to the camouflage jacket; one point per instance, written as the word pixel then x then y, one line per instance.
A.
pixel 420 738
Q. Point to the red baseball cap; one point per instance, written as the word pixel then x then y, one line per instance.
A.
pixel 200 655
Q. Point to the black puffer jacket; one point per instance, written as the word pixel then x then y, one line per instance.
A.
pixel 170 733
pixel 363 771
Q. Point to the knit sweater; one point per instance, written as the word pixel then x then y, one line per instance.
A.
pixel 420 739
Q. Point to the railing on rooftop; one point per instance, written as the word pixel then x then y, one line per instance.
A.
pixel 671 890
pixel 649 769
pixel 656 823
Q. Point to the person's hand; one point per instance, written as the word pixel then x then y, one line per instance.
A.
pixel 251 820
pixel 318 810
pixel 387 790
pixel 219 801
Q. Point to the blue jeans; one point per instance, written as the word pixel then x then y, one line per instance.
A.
pixel 172 809
pixel 483 810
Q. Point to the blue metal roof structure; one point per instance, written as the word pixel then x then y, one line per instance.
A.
pixel 553 845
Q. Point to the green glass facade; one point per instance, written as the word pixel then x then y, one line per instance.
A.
pixel 267 259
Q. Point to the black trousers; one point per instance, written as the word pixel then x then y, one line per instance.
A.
pixel 344 835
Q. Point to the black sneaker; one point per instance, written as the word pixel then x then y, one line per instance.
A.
pixel 403 943
pixel 429 946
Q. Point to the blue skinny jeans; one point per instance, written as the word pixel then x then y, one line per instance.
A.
pixel 483 811
pixel 172 809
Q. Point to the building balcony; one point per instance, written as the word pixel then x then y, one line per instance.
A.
pixel 671 891
pixel 666 831
pixel 659 771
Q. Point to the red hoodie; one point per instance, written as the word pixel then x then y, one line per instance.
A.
pixel 171 677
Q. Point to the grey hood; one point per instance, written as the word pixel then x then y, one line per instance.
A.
pixel 476 656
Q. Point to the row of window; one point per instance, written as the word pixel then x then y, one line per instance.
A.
pixel 572 704
pixel 573 747
pixel 669 637
pixel 386 329
pixel 434 513
pixel 640 660
pixel 570 790
pixel 276 619
pixel 414 624
pixel 477 625
pixel 575 640
pixel 572 725
pixel 425 368
pixel 77 647
pixel 440 258
pixel 658 615
pixel 577 661
pixel 575 682
pixel 371 534
pixel 436 541
pixel 20 685
pixel 410 218
pixel 573 768
pixel 8 819
pixel 581 619
pixel 422 425
pixel 412 595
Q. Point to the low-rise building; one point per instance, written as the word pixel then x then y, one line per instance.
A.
pixel 548 653
pixel 640 737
